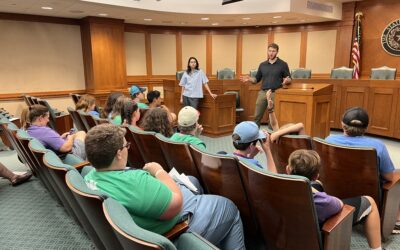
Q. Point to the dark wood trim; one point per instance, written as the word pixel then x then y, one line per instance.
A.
pixel 239 54
pixel 232 30
pixel 209 54
pixel 303 49
pixel 132 79
pixel 40 19
pixel 178 51
pixel 147 45
pixel 48 94
pixel 271 37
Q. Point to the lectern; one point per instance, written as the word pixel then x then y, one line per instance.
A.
pixel 218 116
pixel 306 103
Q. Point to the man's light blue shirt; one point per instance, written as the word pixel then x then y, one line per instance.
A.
pixel 385 163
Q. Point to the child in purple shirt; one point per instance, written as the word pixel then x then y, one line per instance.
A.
pixel 65 143
pixel 307 163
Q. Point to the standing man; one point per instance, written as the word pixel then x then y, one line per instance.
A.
pixel 275 74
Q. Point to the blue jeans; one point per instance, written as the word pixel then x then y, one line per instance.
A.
pixel 214 217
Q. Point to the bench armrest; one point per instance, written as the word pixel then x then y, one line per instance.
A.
pixel 177 230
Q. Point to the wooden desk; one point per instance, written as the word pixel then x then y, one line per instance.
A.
pixel 306 103
pixel 381 99
pixel 218 116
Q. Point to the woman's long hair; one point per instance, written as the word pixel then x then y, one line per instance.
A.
pixel 85 102
pixel 112 98
pixel 127 112
pixel 157 120
pixel 188 64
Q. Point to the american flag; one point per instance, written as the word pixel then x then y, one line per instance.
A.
pixel 355 51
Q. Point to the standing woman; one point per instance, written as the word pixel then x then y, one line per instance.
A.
pixel 192 84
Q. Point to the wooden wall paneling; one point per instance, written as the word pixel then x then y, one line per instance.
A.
pixel 382 109
pixel 377 15
pixel 209 68
pixel 397 117
pixel 48 94
pixel 353 97
pixel 149 64
pixel 270 37
pixel 335 105
pixel 104 53
pixel 303 49
pixel 344 36
pixel 239 47
pixel 178 51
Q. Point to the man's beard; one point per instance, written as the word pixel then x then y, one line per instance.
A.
pixel 273 58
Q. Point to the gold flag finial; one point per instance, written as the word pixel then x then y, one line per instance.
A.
pixel 359 15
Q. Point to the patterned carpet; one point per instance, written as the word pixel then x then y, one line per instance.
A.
pixel 31 219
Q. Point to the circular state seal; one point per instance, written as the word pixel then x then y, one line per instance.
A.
pixel 391 38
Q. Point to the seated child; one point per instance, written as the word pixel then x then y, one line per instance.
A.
pixel 307 163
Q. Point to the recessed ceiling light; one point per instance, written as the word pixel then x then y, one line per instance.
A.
pixel 277 17
pixel 246 18
pixel 215 24
pixel 103 14
pixel 47 8
pixel 148 19
pixel 205 18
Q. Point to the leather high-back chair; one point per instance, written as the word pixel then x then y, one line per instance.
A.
pixel 352 171
pixel 90 201
pixel 238 109
pixel 286 144
pixel 225 74
pixel 149 147
pixel 253 73
pixel 135 158
pixel 342 73
pixel 179 75
pixel 286 214
pixel 76 118
pixel 220 176
pixel 177 155
pixel 383 73
pixel 301 73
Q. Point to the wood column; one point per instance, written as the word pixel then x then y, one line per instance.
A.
pixel 103 47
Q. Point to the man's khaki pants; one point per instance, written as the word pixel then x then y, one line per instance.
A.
pixel 261 105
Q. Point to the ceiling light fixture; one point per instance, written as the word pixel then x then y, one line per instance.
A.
pixel 277 17
pixel 102 14
pixel 205 18
pixel 215 24
pixel 246 18
pixel 148 19
pixel 47 8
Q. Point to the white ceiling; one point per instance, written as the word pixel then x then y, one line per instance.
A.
pixel 181 12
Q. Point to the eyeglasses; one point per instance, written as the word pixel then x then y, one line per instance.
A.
pixel 127 145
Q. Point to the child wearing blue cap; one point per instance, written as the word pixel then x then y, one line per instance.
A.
pixel 136 93
pixel 245 138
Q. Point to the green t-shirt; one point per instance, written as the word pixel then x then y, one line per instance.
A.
pixel 117 120
pixel 191 139
pixel 145 197
pixel 142 105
